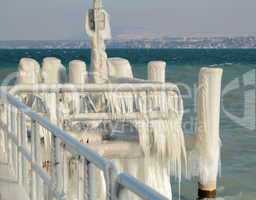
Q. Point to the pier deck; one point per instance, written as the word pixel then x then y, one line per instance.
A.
pixel 9 187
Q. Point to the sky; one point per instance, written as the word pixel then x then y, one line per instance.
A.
pixel 64 19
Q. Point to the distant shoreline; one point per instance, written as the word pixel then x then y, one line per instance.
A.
pixel 243 42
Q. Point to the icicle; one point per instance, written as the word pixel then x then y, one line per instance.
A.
pixel 161 140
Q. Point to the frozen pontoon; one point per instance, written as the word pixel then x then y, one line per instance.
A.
pixel 102 133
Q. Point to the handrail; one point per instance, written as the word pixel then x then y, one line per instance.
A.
pixel 108 87
pixel 143 191
pixel 111 177
pixel 69 140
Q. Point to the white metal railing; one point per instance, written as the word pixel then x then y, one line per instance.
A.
pixel 25 158
pixel 94 88
pixel 143 87
pixel 132 86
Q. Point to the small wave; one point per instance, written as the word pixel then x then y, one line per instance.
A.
pixel 221 65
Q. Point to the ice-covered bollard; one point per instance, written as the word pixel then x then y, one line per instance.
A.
pixel 156 71
pixel 120 68
pixel 77 76
pixel 77 72
pixel 29 71
pixel 208 137
pixel 53 71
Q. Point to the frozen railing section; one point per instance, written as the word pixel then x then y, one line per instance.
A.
pixel 24 154
pixel 144 106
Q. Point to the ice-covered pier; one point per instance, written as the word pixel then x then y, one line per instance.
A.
pixel 102 133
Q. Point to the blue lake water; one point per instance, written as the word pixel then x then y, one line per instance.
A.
pixel 238 171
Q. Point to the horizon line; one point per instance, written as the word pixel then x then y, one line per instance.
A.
pixel 85 39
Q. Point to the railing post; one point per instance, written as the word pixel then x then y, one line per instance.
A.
pixel 110 178
pixel 4 119
pixel 57 174
pixel 33 152
pixel 36 159
pixel 23 133
pixel 81 176
pixel 3 141
pixel 58 170
pixel 65 169
pixel 13 145
pixel 85 191
pixel 91 182
pixel 9 142
pixel 86 165
pixel 20 166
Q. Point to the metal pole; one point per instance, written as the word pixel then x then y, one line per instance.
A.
pixel 86 179
pixel 37 184
pixel 34 149
pixel 65 167
pixel 80 178
pixel 56 164
pixel 23 133
pixel 6 143
pixel 20 166
pixel 9 141
pixel 13 145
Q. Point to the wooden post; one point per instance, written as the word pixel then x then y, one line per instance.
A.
pixel 156 71
pixel 208 139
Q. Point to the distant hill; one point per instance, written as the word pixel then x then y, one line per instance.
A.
pixel 163 42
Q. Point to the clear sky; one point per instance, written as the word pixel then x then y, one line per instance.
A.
pixel 64 19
